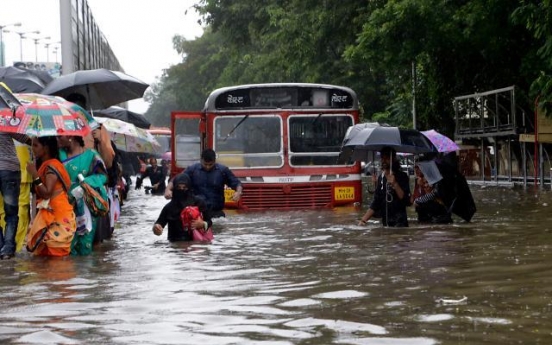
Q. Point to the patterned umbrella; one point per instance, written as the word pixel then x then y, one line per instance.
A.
pixel 441 142
pixel 41 115
pixel 39 98
pixel 128 137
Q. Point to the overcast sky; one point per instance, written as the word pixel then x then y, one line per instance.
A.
pixel 139 31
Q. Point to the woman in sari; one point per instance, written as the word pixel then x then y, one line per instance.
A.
pixel 80 160
pixel 53 228
pixel 110 156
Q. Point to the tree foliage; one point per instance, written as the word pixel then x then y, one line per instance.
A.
pixel 455 47
pixel 536 17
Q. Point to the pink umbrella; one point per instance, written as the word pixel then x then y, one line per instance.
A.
pixel 166 156
pixel 440 141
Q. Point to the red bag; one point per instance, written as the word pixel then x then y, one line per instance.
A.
pixel 188 215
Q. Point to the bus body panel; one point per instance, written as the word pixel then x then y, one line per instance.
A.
pixel 286 156
pixel 162 135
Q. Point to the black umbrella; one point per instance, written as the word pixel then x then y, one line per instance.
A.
pixel 21 80
pixel 363 139
pixel 123 114
pixel 458 198
pixel 7 99
pixel 44 76
pixel 101 88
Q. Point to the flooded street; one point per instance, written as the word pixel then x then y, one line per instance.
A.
pixel 311 277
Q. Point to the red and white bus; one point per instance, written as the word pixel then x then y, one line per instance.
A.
pixel 163 136
pixel 281 140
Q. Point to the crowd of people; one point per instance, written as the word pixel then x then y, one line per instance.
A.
pixel 79 185
pixel 79 188
pixel 438 192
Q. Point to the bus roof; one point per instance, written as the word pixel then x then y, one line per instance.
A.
pixel 159 130
pixel 282 96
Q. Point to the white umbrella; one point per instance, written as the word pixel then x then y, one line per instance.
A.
pixel 128 137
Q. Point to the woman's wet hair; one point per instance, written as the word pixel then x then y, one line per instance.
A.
pixel 79 140
pixel 52 145
pixel 390 152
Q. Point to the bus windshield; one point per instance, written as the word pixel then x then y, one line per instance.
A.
pixel 249 141
pixel 316 139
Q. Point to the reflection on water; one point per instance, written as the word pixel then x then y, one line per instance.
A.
pixel 311 277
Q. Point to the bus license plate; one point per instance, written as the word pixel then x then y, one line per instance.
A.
pixel 344 193
pixel 228 194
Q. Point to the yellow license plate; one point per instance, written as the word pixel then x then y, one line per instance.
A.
pixel 228 194
pixel 344 193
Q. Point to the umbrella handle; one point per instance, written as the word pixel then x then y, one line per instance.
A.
pixel 13 109
pixel 391 163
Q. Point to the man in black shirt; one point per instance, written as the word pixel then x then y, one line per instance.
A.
pixel 392 194
pixel 157 176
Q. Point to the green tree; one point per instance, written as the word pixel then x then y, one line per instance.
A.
pixel 536 17
pixel 457 47
pixel 186 85
pixel 285 41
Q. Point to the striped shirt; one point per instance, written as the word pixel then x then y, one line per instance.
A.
pixel 424 199
pixel 8 155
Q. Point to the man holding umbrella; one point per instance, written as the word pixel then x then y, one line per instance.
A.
pixel 392 194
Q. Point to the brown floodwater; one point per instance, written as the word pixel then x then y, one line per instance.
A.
pixel 311 277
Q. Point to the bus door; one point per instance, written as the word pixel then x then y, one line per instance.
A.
pixel 188 136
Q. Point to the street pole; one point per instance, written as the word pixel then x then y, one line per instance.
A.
pixel 21 34
pixel 55 52
pixel 414 94
pixel 2 48
pixel 20 46
pixel 36 40
pixel 47 46
pixel 2 62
